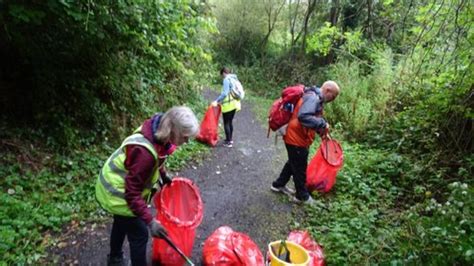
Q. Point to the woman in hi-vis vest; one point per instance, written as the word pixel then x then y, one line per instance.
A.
pixel 229 104
pixel 127 178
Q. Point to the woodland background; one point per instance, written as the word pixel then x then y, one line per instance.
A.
pixel 77 76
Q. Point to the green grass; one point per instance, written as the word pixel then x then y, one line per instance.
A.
pixel 35 200
pixel 260 106
pixel 367 220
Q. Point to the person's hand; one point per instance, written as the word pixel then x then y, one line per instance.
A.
pixel 214 104
pixel 324 132
pixel 166 179
pixel 156 229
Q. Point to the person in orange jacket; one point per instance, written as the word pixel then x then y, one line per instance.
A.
pixel 306 120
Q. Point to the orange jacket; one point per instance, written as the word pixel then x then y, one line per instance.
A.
pixel 296 133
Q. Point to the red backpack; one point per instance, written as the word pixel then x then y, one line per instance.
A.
pixel 282 108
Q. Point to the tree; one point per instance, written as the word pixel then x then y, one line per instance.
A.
pixel 272 17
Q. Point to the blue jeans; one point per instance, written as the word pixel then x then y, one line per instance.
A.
pixel 137 234
pixel 295 166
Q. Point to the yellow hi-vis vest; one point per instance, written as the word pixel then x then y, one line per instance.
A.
pixel 229 104
pixel 110 185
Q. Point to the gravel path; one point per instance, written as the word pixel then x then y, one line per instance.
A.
pixel 234 184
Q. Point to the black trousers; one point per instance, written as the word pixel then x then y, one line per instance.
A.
pixel 228 128
pixel 137 234
pixel 295 166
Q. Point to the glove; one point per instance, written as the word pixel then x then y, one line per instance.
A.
pixel 165 180
pixel 156 229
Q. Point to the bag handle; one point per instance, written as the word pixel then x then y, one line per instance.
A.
pixel 286 252
pixel 329 138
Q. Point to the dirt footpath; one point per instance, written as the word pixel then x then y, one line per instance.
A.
pixel 235 188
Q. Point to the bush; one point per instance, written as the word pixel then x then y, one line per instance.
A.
pixel 365 98
pixel 439 232
pixel 97 66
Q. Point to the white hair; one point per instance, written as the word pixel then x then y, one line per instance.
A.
pixel 178 121
pixel 330 90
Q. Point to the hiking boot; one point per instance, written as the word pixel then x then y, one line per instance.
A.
pixel 284 189
pixel 310 201
pixel 115 261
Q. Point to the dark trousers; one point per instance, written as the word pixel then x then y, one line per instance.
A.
pixel 296 167
pixel 228 128
pixel 137 234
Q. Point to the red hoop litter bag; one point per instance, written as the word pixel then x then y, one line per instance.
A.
pixel 304 239
pixel 179 210
pixel 226 247
pixel 209 131
pixel 323 168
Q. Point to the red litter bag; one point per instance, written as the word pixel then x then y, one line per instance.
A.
pixel 226 247
pixel 209 126
pixel 303 238
pixel 323 168
pixel 179 210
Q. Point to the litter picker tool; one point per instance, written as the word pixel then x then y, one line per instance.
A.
pixel 168 240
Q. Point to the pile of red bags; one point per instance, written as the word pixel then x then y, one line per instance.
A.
pixel 226 247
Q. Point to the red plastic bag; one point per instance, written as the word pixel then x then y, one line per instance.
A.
pixel 226 247
pixel 322 170
pixel 303 238
pixel 209 132
pixel 179 210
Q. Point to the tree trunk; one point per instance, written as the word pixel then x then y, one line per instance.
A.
pixel 309 12
pixel 292 28
pixel 368 26
pixel 334 13
pixel 271 25
pixel 333 19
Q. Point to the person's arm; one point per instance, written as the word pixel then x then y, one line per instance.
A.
pixel 140 164
pixel 165 179
pixel 307 112
pixel 225 90
pixel 162 155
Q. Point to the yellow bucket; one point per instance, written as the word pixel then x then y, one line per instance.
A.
pixel 298 255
